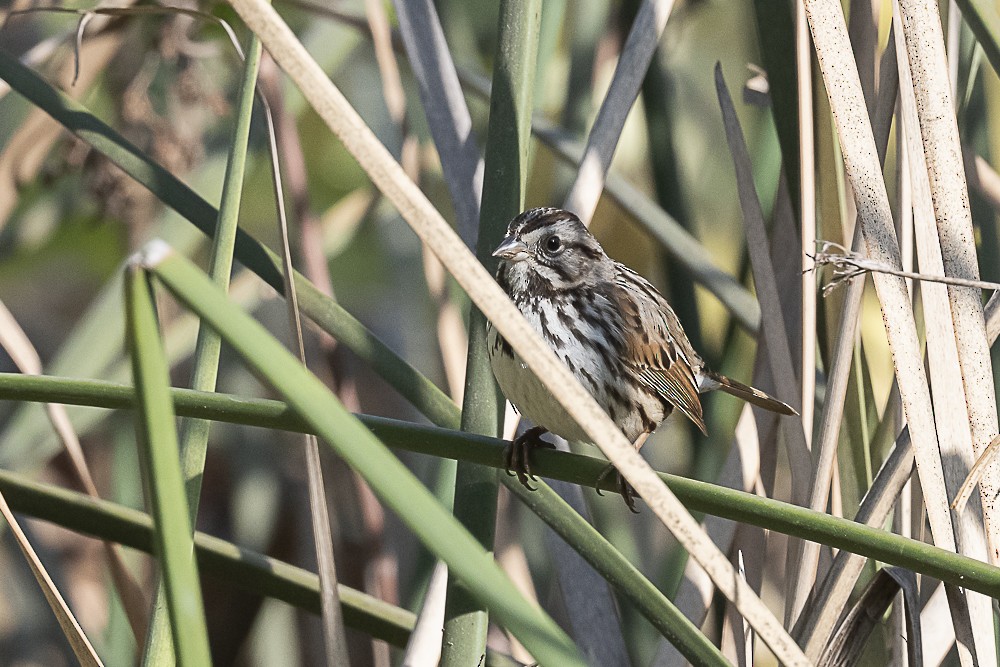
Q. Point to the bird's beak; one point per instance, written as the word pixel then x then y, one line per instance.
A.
pixel 511 249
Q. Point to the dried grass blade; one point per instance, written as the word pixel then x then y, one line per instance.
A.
pixel 921 24
pixel 839 372
pixel 82 648
pixel 907 581
pixel 833 50
pixel 431 227
pixel 992 310
pixel 737 635
pixel 392 84
pixel 334 639
pixel 15 341
pixel 975 474
pixel 848 643
pixel 807 214
pixel 948 388
pixel 424 647
pixel 779 350
pixel 938 637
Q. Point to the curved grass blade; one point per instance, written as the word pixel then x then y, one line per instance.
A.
pixel 334 640
pixel 975 474
pixel 846 647
pixel 778 348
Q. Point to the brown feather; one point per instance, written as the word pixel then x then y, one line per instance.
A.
pixel 663 362
pixel 675 385
pixel 750 394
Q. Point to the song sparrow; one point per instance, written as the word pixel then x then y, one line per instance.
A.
pixel 615 332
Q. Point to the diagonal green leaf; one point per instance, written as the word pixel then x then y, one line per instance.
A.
pixel 390 480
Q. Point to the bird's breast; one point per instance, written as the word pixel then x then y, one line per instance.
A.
pixel 583 341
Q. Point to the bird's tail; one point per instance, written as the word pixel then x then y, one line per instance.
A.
pixel 749 394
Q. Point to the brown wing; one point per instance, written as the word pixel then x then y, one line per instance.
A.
pixel 657 347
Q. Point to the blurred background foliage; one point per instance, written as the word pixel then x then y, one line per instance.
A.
pixel 68 220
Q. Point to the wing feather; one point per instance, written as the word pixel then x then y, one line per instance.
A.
pixel 657 348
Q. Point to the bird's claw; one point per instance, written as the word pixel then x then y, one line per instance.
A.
pixel 624 488
pixel 517 455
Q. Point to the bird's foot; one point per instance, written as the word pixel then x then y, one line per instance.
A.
pixel 517 455
pixel 624 488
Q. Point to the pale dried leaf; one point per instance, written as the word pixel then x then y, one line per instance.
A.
pixel 847 644
pixel 424 647
pixel 965 491
pixel 78 641
pixel 944 349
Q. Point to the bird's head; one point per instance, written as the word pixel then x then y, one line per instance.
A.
pixel 550 249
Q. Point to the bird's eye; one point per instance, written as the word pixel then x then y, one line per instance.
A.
pixel 553 245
